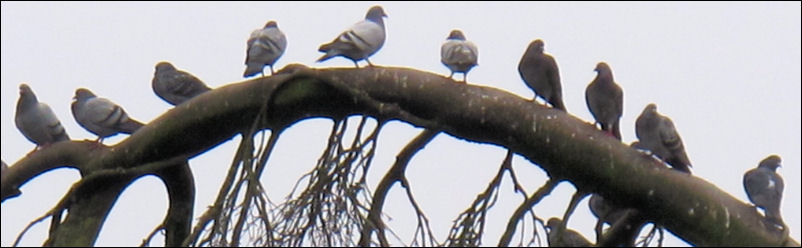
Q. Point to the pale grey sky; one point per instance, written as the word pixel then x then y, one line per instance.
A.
pixel 728 74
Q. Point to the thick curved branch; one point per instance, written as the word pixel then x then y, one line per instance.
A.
pixel 564 146
pixel 181 188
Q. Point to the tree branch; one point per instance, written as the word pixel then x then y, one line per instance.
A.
pixel 564 146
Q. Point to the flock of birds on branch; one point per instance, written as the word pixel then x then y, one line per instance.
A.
pixel 656 132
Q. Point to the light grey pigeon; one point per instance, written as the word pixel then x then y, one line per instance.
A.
pixel 605 99
pixel 458 54
pixel 566 238
pixel 764 187
pixel 101 116
pixel 176 86
pixel 265 46
pixel 539 71
pixel 360 41
pixel 657 134
pixel 36 121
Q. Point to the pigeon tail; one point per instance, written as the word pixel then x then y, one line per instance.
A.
pixel 616 130
pixel 326 56
pixel 130 126
pixel 677 164
pixel 558 104
pixel 251 70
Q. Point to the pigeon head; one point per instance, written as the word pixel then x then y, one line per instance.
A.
pixel 456 35
pixel 771 162
pixel 24 89
pixel 650 109
pixel 26 97
pixel 553 223
pixel 375 14
pixel 602 67
pixel 271 24
pixel 536 46
pixel 604 71
pixel 164 66
pixel 83 94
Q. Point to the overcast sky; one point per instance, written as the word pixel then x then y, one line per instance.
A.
pixel 728 74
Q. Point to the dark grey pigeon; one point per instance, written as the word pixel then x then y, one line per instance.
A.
pixel 540 73
pixel 657 134
pixel 265 46
pixel 101 116
pixel 764 187
pixel 605 211
pixel 36 121
pixel 458 54
pixel 176 86
pixel 605 99
pixel 360 41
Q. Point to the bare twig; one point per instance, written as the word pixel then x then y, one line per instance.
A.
pixel 525 207
pixel 146 241
pixel 394 175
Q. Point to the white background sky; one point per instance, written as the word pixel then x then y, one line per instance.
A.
pixel 728 74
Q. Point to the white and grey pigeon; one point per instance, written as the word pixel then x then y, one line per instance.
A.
pixel 175 86
pixel 657 134
pixel 265 46
pixel 458 54
pixel 101 116
pixel 764 187
pixel 36 120
pixel 360 41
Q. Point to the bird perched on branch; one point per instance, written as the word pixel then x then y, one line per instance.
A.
pixel 101 116
pixel 564 238
pixel 657 134
pixel 265 46
pixel 36 121
pixel 539 71
pixel 175 86
pixel 458 54
pixel 360 41
pixel 605 99
pixel 764 187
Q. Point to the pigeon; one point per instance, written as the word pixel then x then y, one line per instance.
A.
pixel 764 187
pixel 101 116
pixel 176 86
pixel 265 46
pixel 605 100
pixel 36 120
pixel 360 41
pixel 657 134
pixel 539 72
pixel 605 211
pixel 568 237
pixel 458 54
